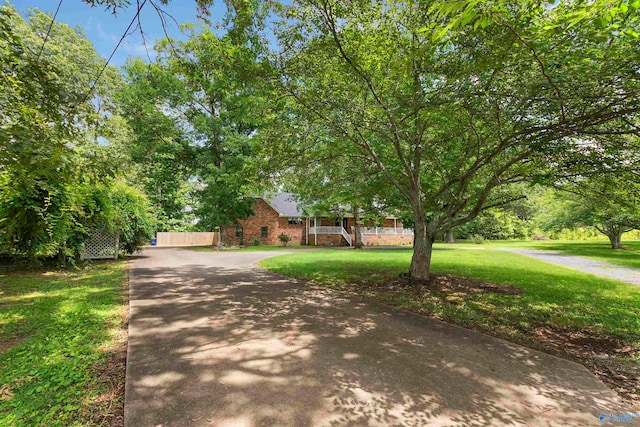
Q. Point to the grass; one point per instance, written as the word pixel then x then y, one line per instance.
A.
pixel 597 249
pixel 551 294
pixel 248 248
pixel 58 330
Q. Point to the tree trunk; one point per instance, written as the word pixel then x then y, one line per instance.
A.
pixel 419 272
pixel 62 257
pixel 449 237
pixel 357 230
pixel 615 237
pixel 222 235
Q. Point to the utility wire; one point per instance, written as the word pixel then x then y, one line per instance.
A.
pixel 106 64
pixel 46 37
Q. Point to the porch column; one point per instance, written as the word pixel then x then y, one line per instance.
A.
pixel 315 230
pixel 394 226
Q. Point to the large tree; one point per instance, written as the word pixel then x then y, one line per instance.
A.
pixel 206 92
pixel 453 100
pixel 158 146
pixel 610 204
pixel 51 122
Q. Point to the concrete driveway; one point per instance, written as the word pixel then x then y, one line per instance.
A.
pixel 216 342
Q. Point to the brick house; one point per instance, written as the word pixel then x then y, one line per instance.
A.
pixel 278 214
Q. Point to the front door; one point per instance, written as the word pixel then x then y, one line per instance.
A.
pixel 344 224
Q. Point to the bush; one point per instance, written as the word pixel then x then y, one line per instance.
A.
pixel 284 239
pixel 256 242
pixel 131 218
pixel 494 225
pixel 477 239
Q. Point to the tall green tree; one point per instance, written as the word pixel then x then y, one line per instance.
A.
pixel 159 147
pixel 609 203
pixel 225 82
pixel 453 100
pixel 51 114
pixel 207 93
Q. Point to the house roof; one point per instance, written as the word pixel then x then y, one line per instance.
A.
pixel 284 203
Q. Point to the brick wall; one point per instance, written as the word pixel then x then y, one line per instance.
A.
pixel 331 240
pixel 266 216
pixel 389 240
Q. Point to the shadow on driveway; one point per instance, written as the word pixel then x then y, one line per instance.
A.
pixel 214 342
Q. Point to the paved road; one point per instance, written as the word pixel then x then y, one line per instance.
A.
pixel 215 342
pixel 586 265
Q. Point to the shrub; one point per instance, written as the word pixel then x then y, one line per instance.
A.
pixel 256 242
pixel 284 239
pixel 131 217
pixel 539 237
pixel 477 239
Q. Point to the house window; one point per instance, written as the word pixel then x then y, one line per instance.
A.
pixel 295 221
pixel 239 231
pixel 264 231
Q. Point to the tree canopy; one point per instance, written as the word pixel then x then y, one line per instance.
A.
pixel 453 103
pixel 54 115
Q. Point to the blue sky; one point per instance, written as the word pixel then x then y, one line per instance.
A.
pixel 104 29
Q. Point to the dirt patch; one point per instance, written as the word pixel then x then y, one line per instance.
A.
pixel 9 344
pixel 608 357
pixel 581 341
pixel 445 283
pixel 448 282
pixel 107 409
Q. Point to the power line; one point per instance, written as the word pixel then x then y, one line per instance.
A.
pixel 46 37
pixel 126 32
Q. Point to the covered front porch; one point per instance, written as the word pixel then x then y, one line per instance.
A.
pixel 342 233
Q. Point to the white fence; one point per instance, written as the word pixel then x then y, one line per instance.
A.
pixel 100 244
pixel 387 230
pixel 187 239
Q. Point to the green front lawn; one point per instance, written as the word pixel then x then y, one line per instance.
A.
pixel 597 249
pixel 60 334
pixel 550 294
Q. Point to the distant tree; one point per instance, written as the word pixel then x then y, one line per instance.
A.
pixel 206 94
pixel 610 204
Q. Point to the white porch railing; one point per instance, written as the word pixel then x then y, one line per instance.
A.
pixel 325 230
pixel 387 230
pixel 332 230
pixel 346 236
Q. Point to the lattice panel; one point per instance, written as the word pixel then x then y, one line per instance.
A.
pixel 100 244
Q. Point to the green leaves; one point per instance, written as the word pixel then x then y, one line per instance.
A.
pixel 452 100
pixel 53 149
pixel 207 96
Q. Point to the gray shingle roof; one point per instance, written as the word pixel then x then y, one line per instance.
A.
pixel 284 203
